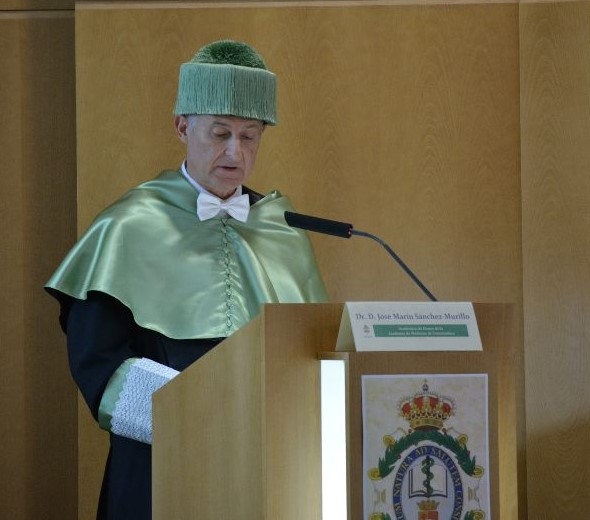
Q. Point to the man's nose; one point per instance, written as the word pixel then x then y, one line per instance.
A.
pixel 234 147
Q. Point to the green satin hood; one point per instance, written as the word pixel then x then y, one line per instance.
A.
pixel 183 277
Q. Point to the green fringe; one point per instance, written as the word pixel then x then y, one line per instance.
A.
pixel 227 90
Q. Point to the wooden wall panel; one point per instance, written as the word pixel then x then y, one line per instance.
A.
pixel 37 210
pixel 556 252
pixel 402 120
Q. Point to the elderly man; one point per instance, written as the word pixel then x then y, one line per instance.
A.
pixel 179 263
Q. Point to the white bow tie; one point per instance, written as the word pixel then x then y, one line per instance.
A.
pixel 209 206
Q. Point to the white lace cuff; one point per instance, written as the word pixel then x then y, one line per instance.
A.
pixel 126 405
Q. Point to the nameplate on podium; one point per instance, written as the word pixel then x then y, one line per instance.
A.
pixel 408 326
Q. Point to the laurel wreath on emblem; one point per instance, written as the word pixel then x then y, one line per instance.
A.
pixel 394 450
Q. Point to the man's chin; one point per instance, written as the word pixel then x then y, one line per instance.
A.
pixel 224 190
pixel 229 182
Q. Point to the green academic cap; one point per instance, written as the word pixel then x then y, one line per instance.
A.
pixel 227 78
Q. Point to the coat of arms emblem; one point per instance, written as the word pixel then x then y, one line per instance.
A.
pixel 431 464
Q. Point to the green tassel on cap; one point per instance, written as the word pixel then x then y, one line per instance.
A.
pixel 227 78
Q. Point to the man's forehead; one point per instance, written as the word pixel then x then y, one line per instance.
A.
pixel 233 121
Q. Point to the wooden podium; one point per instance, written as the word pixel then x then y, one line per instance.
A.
pixel 237 435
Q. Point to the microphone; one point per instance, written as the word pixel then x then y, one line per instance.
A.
pixel 319 225
pixel 344 230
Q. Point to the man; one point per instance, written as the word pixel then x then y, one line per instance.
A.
pixel 178 264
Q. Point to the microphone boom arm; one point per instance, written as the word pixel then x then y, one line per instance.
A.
pixel 399 261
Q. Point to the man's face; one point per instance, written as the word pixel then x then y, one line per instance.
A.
pixel 220 150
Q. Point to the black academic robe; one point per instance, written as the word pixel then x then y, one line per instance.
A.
pixel 101 334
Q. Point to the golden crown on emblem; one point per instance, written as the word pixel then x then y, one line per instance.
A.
pixel 426 410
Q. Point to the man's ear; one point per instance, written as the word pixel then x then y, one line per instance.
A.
pixel 181 127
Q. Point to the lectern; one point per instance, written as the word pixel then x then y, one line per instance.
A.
pixel 238 436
